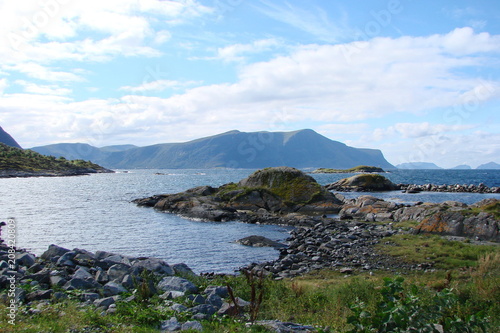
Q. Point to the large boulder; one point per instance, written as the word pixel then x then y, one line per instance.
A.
pixel 289 184
pixel 371 182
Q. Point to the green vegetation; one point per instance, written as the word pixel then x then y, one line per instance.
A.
pixel 15 159
pixel 360 168
pixel 463 299
pixel 442 253
pixel 492 208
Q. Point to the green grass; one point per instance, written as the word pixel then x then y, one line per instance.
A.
pixel 443 253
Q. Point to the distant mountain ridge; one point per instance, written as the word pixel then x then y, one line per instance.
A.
pixel 418 165
pixel 234 149
pixel 8 139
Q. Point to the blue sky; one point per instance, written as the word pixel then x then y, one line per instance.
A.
pixel 419 80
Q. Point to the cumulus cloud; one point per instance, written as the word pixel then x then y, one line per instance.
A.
pixel 91 30
pixel 343 83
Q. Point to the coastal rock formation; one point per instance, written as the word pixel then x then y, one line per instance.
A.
pixel 266 196
pixel 455 188
pixel 480 220
pixel 363 183
pixel 259 241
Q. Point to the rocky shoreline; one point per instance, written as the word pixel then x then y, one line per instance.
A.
pixel 50 173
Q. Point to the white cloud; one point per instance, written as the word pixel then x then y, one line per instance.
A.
pixel 94 30
pixel 237 52
pixel 34 88
pixel 350 83
pixel 417 130
pixel 158 85
pixel 40 72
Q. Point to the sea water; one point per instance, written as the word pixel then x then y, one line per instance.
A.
pixel 95 213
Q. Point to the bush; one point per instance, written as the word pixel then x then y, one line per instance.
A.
pixel 402 310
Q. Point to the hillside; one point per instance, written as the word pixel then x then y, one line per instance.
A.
pixel 234 149
pixel 489 166
pixel 7 139
pixel 418 165
pixel 15 162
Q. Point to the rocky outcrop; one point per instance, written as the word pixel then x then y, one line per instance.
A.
pixel 271 195
pixel 363 183
pixel 479 220
pixel 259 241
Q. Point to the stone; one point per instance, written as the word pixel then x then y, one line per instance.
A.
pixel 172 294
pixel 81 284
pixel 215 300
pixel 259 241
pixel 170 325
pixel 217 290
pixel 57 281
pixel 117 259
pixel 196 299
pixel 59 296
pixel 113 288
pixel 104 302
pixel 205 309
pixel 102 276
pixel 175 283
pixel 183 269
pixel 231 309
pixel 53 251
pixel 178 307
pixel 39 295
pixel 83 274
pixel 281 327
pixel 155 265
pixel 25 259
pixel 91 297
pixel 364 183
pixel 118 272
pixel 192 325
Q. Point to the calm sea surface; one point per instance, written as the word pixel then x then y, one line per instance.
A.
pixel 95 213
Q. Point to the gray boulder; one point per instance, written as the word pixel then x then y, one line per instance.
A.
pixel 170 325
pixel 155 265
pixel 118 271
pixel 104 302
pixel 192 325
pixel 26 259
pixel 81 284
pixel 113 288
pixel 82 273
pixel 53 251
pixel 175 283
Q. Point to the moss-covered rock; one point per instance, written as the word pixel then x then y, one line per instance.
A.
pixel 364 183
pixel 289 184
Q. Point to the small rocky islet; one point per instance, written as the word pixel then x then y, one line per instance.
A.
pixel 274 195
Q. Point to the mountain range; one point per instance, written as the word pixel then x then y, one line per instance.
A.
pixel 234 149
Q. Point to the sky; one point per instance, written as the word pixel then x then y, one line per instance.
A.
pixel 419 80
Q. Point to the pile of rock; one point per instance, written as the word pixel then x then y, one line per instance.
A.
pixel 471 188
pixel 331 244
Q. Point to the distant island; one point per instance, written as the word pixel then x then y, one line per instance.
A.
pixel 17 162
pixel 360 168
pixel 234 149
